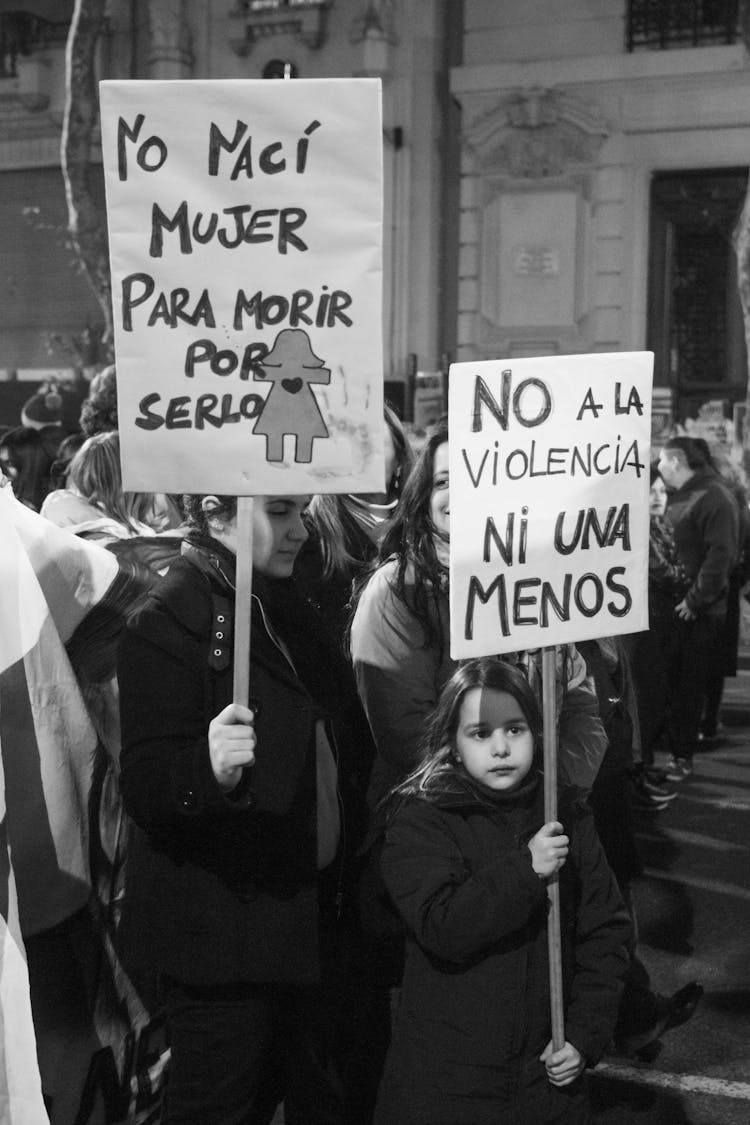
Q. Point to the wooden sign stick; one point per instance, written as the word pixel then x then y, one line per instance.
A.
pixel 243 594
pixel 549 714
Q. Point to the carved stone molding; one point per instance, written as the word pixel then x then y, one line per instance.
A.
pixel 535 134
pixel 170 38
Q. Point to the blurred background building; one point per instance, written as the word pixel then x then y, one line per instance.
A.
pixel 559 177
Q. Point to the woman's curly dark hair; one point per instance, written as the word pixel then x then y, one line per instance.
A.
pixel 99 410
pixel 195 517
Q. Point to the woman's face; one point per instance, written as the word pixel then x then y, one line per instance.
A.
pixel 657 498
pixel 440 501
pixel 278 533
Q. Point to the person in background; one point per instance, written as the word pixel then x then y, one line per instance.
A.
pixel 345 531
pixel 26 462
pixel 234 873
pixel 711 729
pixel 66 451
pixel 94 505
pixel 644 1015
pixel 647 651
pixel 99 408
pixel 705 523
pixel 466 860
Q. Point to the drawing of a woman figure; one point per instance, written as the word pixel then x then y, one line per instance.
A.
pixel 291 406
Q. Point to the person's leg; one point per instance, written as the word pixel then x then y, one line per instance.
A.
pixel 314 1094
pixel 712 705
pixel 649 670
pixel 693 655
pixel 220 1038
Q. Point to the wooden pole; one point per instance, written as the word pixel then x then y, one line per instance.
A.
pixel 549 714
pixel 241 685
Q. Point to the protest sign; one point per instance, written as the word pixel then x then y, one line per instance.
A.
pixel 245 230
pixel 549 477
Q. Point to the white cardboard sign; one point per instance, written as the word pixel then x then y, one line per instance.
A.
pixel 245 231
pixel 549 480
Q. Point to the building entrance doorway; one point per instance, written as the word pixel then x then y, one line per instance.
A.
pixel 695 324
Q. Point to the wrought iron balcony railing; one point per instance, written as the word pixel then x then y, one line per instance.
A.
pixel 664 24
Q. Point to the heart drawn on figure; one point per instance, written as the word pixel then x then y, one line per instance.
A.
pixel 292 385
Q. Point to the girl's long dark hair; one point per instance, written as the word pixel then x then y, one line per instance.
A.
pixel 410 539
pixel 26 453
pixel 438 773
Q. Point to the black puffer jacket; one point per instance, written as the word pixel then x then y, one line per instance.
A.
pixel 218 888
pixel 474 1015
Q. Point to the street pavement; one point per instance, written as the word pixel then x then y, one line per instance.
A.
pixel 693 907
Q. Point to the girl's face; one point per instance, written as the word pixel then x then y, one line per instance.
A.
pixel 657 498
pixel 440 500
pixel 493 739
pixel 278 533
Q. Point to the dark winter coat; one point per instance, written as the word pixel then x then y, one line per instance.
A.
pixel 219 887
pixel 474 1014
pixel 705 520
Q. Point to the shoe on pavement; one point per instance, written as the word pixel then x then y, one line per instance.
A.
pixel 672 1011
pixel 678 768
pixel 656 792
pixel 646 804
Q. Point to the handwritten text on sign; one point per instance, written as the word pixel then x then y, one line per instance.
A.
pixel 549 478
pixel 245 239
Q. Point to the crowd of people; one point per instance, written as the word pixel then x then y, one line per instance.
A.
pixel 338 893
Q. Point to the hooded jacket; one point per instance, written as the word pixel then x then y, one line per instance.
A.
pixel 474 1014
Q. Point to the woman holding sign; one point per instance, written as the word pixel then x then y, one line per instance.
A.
pixel 233 877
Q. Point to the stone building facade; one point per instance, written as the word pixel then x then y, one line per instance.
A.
pixel 558 177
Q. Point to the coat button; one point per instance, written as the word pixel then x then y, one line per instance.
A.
pixel 188 800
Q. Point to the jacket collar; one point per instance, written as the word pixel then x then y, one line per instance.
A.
pixel 211 557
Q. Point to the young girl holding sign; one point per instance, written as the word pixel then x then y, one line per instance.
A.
pixel 466 860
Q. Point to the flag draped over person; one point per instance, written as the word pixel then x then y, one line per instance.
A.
pixel 21 1100
pixel 63 836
